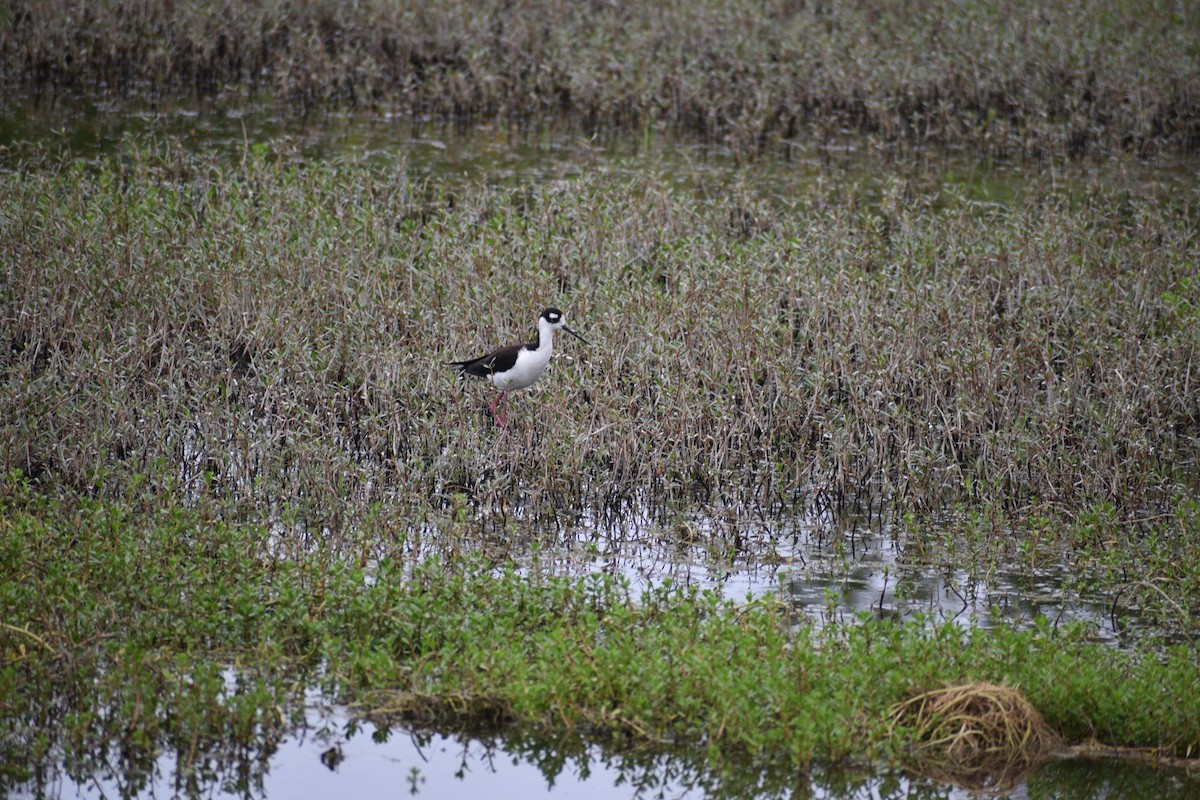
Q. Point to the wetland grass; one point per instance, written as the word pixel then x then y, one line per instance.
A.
pixel 1007 78
pixel 192 637
pixel 267 333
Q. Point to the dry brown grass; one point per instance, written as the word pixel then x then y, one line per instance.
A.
pixel 271 335
pixel 981 736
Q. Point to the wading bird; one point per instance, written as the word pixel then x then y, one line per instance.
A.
pixel 520 365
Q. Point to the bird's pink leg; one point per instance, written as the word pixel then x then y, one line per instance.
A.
pixel 494 403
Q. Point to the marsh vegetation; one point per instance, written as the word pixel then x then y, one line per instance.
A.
pixel 266 331
pixel 1007 78
pixel 467 645
pixel 237 473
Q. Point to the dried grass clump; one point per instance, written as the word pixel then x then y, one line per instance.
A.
pixel 980 736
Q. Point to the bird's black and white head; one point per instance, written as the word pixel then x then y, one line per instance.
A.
pixel 553 320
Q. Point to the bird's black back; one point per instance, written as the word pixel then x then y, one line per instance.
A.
pixel 500 360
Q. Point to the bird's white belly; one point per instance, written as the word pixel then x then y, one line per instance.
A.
pixel 529 367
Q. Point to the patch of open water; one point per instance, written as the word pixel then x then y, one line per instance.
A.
pixel 553 151
pixel 826 572
pixel 334 755
pixel 825 569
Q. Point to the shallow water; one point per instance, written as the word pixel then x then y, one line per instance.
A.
pixel 506 154
pixel 831 570
pixel 335 756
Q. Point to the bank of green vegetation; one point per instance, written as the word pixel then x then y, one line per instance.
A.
pixel 129 632
pixel 1006 77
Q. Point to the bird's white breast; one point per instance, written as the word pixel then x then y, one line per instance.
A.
pixel 529 367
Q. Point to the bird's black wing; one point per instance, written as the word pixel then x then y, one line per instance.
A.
pixel 499 361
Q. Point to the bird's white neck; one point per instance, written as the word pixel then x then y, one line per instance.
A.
pixel 545 335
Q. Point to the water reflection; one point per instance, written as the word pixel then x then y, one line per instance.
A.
pixel 336 755
pixel 829 570
pixel 875 576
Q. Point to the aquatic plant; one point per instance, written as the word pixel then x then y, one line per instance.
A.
pixel 127 633
pixel 1006 78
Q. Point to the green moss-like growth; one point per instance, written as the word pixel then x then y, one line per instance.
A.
pixel 175 632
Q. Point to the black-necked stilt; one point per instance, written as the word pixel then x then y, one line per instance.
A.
pixel 520 365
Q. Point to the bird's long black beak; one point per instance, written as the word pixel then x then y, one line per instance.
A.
pixel 576 335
